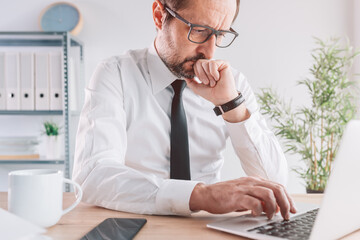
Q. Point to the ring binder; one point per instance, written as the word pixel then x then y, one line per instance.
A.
pixel 12 81
pixel 27 101
pixel 42 101
pixel 2 82
pixel 56 79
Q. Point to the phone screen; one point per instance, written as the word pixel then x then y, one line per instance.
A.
pixel 116 228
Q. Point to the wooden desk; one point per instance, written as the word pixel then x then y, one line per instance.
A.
pixel 84 217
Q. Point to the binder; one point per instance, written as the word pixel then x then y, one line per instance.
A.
pixel 2 82
pixel 42 100
pixel 12 80
pixel 27 100
pixel 56 79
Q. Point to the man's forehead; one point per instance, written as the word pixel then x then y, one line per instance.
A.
pixel 212 13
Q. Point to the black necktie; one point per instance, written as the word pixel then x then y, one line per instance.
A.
pixel 179 147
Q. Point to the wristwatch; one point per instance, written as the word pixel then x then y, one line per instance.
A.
pixel 219 110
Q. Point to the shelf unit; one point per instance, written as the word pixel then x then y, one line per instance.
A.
pixel 29 112
pixel 67 43
pixel 24 161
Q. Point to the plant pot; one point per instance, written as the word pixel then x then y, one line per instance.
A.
pixel 314 191
pixel 52 147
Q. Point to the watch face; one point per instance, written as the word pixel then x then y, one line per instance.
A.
pixel 60 17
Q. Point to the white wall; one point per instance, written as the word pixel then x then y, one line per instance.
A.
pixel 356 31
pixel 273 48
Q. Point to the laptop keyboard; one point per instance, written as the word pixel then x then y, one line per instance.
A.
pixel 297 228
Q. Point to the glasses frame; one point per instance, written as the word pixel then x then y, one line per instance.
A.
pixel 214 32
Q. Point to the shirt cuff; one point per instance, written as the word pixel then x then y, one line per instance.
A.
pixel 173 197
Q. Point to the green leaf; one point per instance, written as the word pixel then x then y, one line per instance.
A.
pixel 334 102
pixel 51 128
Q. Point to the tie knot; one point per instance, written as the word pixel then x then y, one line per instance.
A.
pixel 178 86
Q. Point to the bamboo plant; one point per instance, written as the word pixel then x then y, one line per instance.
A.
pixel 315 131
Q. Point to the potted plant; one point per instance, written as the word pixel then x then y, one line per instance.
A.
pixel 52 142
pixel 315 131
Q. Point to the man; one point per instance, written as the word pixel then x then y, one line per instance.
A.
pixel 143 135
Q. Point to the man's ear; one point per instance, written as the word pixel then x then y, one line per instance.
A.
pixel 158 14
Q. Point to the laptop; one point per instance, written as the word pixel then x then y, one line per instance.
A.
pixel 336 216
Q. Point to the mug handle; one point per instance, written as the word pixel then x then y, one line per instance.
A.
pixel 78 199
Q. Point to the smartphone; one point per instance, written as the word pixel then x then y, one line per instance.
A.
pixel 116 228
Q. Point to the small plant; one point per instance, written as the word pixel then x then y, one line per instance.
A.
pixel 51 128
pixel 315 132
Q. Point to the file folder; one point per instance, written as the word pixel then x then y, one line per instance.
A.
pixel 42 100
pixel 56 79
pixel 12 80
pixel 76 93
pixel 2 82
pixel 27 82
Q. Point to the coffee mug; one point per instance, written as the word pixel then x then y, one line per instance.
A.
pixel 37 195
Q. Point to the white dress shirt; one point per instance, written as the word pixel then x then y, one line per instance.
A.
pixel 122 155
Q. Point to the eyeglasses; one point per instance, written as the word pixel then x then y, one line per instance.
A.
pixel 200 34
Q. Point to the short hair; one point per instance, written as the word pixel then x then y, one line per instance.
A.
pixel 181 4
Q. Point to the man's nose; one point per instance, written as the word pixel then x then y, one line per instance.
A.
pixel 208 48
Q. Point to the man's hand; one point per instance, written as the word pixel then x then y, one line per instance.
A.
pixel 218 86
pixel 247 193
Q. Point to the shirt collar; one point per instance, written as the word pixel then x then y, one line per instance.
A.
pixel 160 75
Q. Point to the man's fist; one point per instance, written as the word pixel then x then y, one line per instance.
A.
pixel 218 86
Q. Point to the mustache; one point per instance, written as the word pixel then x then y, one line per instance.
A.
pixel 195 58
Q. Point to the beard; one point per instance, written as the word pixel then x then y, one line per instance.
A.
pixel 182 68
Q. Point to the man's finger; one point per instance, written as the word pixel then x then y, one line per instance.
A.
pixel 266 196
pixel 292 204
pixel 213 66
pixel 206 66
pixel 291 201
pixel 200 73
pixel 280 196
pixel 250 203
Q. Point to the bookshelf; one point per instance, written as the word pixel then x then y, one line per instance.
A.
pixel 72 87
pixel 30 112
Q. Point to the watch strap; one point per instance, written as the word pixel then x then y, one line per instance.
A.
pixel 219 110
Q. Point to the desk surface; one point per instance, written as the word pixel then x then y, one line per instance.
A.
pixel 84 217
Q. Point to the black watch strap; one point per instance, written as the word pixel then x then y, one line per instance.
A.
pixel 219 110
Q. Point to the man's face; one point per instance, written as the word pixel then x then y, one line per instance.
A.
pixel 174 48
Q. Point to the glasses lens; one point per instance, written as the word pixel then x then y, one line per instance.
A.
pixel 225 39
pixel 199 34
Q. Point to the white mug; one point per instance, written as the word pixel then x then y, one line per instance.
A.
pixel 37 195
